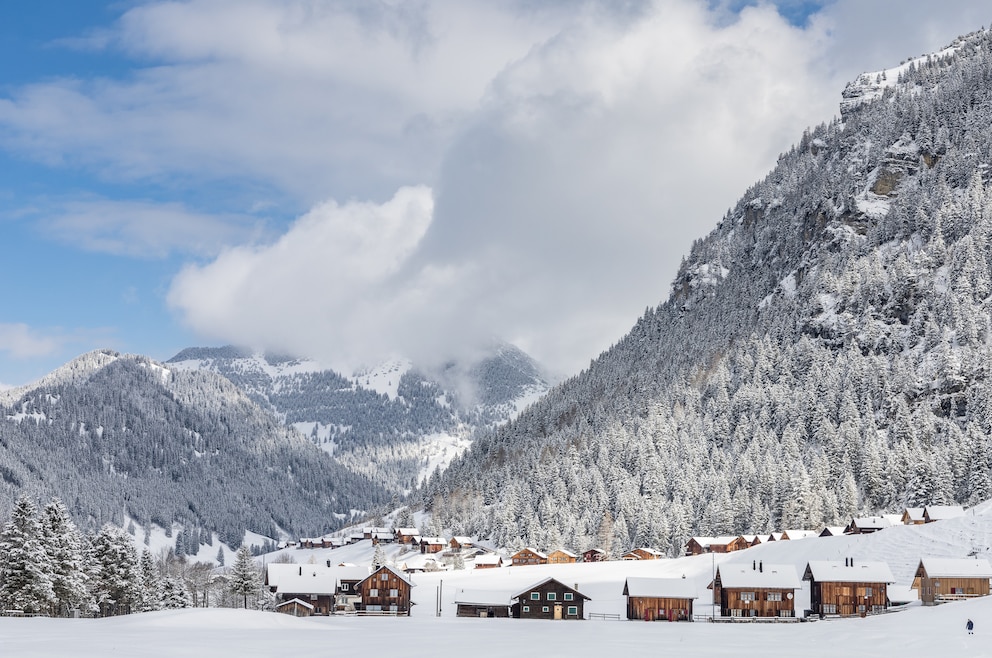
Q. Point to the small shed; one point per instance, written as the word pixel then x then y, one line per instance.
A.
pixel 659 599
pixel 913 516
pixel 867 524
pixel 483 603
pixel 295 607
pixel 933 513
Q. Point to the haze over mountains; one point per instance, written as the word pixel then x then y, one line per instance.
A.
pixel 825 350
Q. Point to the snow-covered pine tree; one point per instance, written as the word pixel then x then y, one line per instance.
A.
pixel 66 552
pixel 116 584
pixel 25 567
pixel 245 580
pixel 151 584
pixel 174 593
pixel 378 557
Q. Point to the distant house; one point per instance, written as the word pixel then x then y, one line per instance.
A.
pixel 561 556
pixel 483 603
pixel 406 535
pixel 387 591
pixel 642 554
pixel 528 556
pixel 550 599
pixel 756 590
pixel 432 544
pixel 776 536
pixel 798 534
pixel 849 588
pixel 369 532
pixel 833 531
pixel 933 513
pixel 594 555
pixel 940 580
pixel 328 589
pixel 488 561
pixel 383 537
pixel 913 516
pixel 659 599
pixel 723 544
pixel 295 607
pixel 458 543
pixel 867 524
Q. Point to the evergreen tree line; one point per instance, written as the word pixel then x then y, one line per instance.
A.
pixel 49 567
pixel 825 352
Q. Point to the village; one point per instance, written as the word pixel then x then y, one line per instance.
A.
pixel 787 576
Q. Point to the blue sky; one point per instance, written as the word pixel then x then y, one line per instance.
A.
pixel 358 180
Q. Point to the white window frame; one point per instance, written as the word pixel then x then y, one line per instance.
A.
pixel 535 596
pixel 573 610
pixel 374 592
pixel 569 596
pixel 552 596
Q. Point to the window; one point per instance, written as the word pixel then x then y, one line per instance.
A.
pixel 393 608
pixel 774 596
pixel 785 613
pixel 373 592
pixel 735 612
pixel 545 609
pixel 829 608
pixel 573 611
pixel 535 596
pixel 861 608
pixel 569 596
pixel 867 591
pixel 394 592
pixel 374 608
pixel 345 587
pixel 384 576
pixel 552 596
pixel 526 608
pixel 747 596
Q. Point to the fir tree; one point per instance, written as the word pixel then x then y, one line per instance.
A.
pixel 66 552
pixel 25 567
pixel 245 580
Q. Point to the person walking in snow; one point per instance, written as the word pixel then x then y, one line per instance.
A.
pixel 971 627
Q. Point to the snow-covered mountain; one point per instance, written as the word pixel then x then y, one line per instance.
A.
pixel 395 422
pixel 121 437
pixel 825 350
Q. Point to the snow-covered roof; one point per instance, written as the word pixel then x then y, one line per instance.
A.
pixel 312 578
pixel 841 572
pixel 913 513
pixel 776 576
pixel 832 531
pixel 874 522
pixel 488 558
pixel 748 538
pixel 432 540
pixel 563 552
pixel 297 602
pixel 775 536
pixel 940 512
pixel 722 540
pixel 895 519
pixel 674 588
pixel 462 540
pixel 955 568
pixel 407 531
pixel 800 534
pixel 483 597
pixel 547 580
pixel 399 574
pixel 531 550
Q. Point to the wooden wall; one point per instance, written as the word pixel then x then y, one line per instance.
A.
pixel 848 597
pixel 659 609
pixel 383 587
pixel 933 588
pixel 730 600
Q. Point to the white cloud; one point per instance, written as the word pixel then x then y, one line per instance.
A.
pixel 22 342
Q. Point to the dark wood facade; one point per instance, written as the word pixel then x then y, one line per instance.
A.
pixel 756 592
pixel 528 556
pixel 550 599
pixel 594 555
pixel 385 591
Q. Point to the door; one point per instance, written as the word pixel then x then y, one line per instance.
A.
pixel 558 611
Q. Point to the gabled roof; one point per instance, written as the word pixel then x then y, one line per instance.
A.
pixel 722 540
pixel 839 572
pixel 532 550
pixel 407 531
pixel 399 574
pixel 934 567
pixel 833 531
pixel 874 522
pixel 775 576
pixel 297 602
pixel 432 540
pixel 313 579
pixel 799 534
pixel 462 540
pixel 775 536
pixel 489 558
pixel 674 588
pixel 913 513
pixel 549 580
pixel 940 512
pixel 563 552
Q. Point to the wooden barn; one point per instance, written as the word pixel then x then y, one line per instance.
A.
pixel 848 588
pixel 488 561
pixel 867 524
pixel 528 556
pixel 295 607
pixel 483 603
pixel 659 599
pixel 385 591
pixel 756 590
pixel 940 580
pixel 550 599
pixel 561 556
pixel 913 516
pixel 933 513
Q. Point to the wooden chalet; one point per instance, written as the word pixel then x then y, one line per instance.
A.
pixel 793 535
pixel 724 544
pixel 561 556
pixel 867 524
pixel 776 536
pixel 833 531
pixel 852 587
pixel 295 607
pixel 370 532
pixel 488 561
pixel 385 591
pixel 432 544
pixel 933 513
pixel 940 580
pixel 406 535
pixel 913 516
pixel 595 555
pixel 749 540
pixel 528 556
pixel 756 590
pixel 328 589
pixel 642 554
pixel 549 599
pixel 659 599
pixel 483 603
pixel 459 543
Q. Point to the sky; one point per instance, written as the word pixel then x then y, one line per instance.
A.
pixel 354 180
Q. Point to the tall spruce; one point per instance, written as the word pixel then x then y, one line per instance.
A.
pixel 25 567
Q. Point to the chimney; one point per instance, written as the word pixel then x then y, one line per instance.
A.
pixel 301 571
pixel 754 565
pixel 761 567
pixel 328 563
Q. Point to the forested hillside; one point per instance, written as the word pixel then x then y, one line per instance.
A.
pixel 114 435
pixel 825 350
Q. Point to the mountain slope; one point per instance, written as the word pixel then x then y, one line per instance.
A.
pixel 119 436
pixel 824 350
pixel 395 423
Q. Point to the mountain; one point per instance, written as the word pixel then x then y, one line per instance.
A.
pixel 121 438
pixel 825 350
pixel 395 423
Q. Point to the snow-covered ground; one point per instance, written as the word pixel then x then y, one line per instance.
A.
pixel 912 632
